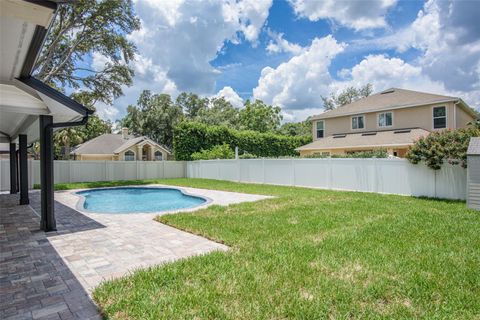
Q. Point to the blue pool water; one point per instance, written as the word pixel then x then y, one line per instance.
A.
pixel 134 200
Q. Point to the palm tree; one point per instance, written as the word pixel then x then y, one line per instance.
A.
pixel 66 138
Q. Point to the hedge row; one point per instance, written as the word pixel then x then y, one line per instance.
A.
pixel 191 137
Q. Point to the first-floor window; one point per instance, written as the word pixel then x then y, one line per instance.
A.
pixel 439 117
pixel 320 129
pixel 129 156
pixel 158 156
pixel 358 122
pixel 385 119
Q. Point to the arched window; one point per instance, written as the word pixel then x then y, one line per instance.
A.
pixel 158 156
pixel 129 155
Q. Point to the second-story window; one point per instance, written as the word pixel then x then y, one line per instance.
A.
pixel 439 117
pixel 320 129
pixel 385 119
pixel 358 122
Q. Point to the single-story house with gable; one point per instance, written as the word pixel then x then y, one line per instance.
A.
pixel 121 147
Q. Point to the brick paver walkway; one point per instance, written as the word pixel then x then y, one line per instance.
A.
pixel 50 276
pixel 34 280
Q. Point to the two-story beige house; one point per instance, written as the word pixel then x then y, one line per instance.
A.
pixel 121 147
pixel 392 119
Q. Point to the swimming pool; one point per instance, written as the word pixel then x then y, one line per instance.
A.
pixel 137 200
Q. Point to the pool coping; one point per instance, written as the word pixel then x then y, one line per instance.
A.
pixel 81 200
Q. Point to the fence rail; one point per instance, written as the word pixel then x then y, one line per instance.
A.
pixel 394 176
pixel 89 171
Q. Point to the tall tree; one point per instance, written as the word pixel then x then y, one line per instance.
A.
pixel 302 128
pixel 191 104
pixel 348 95
pixel 154 116
pixel 260 117
pixel 85 30
pixel 219 112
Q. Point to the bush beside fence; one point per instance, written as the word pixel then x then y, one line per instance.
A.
pixel 191 137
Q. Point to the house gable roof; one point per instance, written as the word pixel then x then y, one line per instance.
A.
pixel 112 143
pixel 392 98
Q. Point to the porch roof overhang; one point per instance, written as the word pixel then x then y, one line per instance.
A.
pixel 23 27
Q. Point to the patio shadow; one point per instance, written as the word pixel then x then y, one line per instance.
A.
pixel 34 280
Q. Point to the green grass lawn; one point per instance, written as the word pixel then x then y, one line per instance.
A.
pixel 312 254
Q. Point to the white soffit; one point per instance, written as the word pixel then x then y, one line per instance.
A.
pixel 15 38
pixel 12 99
pixel 26 11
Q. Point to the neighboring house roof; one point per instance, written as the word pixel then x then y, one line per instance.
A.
pixel 400 137
pixel 111 143
pixel 474 146
pixel 392 98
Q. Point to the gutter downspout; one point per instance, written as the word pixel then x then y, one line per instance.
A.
pixel 455 114
pixel 69 124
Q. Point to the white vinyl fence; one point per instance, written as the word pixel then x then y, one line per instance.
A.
pixel 395 176
pixel 89 171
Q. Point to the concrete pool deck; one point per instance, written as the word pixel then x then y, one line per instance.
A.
pixel 64 266
pixel 131 241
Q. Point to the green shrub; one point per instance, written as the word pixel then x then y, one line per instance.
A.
pixel 191 137
pixel 247 155
pixel 438 147
pixel 222 151
pixel 380 153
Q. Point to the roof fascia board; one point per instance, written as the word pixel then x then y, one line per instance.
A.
pixel 44 3
pixel 33 51
pixel 55 95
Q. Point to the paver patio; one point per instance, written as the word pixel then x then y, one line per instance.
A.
pixel 50 276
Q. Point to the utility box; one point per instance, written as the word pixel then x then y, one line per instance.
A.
pixel 473 173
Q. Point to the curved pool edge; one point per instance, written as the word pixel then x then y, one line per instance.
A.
pixel 79 206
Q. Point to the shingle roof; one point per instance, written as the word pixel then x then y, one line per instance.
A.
pixel 104 144
pixel 388 99
pixel 400 137
pixel 474 146
pixel 110 144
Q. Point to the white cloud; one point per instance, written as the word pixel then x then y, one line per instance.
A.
pixel 299 82
pixel 105 111
pixel 278 44
pixel 231 96
pixel 99 61
pixel 182 37
pixel 383 73
pixel 179 39
pixel 447 35
pixel 351 13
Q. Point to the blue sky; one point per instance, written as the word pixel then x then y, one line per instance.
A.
pixel 290 53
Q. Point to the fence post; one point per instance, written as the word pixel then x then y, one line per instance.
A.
pixel 263 170
pixel 106 170
pixel 69 171
pixel 136 166
pixel 329 177
pixel 375 177
pixel 239 171
pixel 293 171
